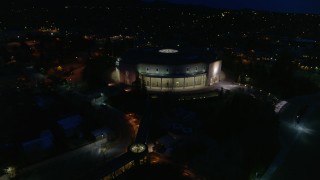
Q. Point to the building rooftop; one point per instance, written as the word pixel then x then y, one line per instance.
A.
pixel 70 122
pixel 168 56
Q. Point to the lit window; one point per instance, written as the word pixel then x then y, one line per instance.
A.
pixel 168 51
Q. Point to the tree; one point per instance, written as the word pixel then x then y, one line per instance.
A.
pixel 95 72
pixel 139 86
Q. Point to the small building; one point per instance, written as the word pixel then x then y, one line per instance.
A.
pixel 38 148
pixel 71 125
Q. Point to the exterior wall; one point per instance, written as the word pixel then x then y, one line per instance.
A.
pixel 167 84
pixel 147 81
pixel 174 83
pixel 166 70
pixel 172 77
pixel 127 75
pixel 178 83
pixel 154 69
pixel 189 82
pixel 214 72
pixel 156 82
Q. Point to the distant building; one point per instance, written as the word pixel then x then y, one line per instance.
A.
pixel 38 148
pixel 261 56
pixel 170 69
pixel 309 60
pixel 251 56
pixel 71 125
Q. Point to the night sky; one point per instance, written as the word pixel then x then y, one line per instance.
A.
pixel 300 6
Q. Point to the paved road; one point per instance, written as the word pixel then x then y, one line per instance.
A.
pixel 77 163
pixel 299 157
pixel 74 164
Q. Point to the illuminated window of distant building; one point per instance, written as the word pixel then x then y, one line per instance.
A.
pixel 168 51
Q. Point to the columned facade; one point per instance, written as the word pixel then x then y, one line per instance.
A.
pixel 159 83
pixel 170 69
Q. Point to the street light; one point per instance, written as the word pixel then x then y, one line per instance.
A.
pixel 11 171
pixel 137 148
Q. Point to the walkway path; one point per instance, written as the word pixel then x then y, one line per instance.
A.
pixel 300 143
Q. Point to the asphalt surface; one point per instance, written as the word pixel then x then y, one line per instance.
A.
pixel 299 157
pixel 78 163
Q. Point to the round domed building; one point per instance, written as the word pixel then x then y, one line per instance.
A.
pixel 170 69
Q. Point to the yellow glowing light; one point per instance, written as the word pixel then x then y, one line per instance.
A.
pixel 137 148
pixel 59 68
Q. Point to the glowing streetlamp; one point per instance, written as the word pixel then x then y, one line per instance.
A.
pixel 11 171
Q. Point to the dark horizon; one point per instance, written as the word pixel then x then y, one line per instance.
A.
pixel 285 6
